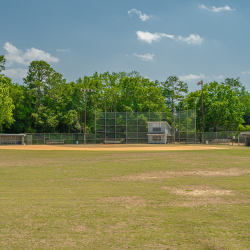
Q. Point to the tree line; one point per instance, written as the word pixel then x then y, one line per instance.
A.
pixel 46 103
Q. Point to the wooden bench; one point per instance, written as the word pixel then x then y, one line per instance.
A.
pixel 55 141
pixel 112 142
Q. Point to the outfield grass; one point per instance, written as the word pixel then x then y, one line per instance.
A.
pixel 132 200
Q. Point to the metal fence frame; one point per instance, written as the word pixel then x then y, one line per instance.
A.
pixel 132 127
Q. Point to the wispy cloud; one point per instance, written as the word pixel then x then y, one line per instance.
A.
pixel 146 57
pixel 214 9
pixel 149 37
pixel 143 17
pixel 192 39
pixel 191 77
pixel 15 55
pixel 63 50
pixel 246 72
pixel 218 77
pixel 16 73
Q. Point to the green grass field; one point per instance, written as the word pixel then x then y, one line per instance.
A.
pixel 132 200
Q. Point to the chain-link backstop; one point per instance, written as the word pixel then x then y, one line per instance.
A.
pixel 132 127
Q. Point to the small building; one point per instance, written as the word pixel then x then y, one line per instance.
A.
pixel 247 138
pixel 158 132
pixel 12 139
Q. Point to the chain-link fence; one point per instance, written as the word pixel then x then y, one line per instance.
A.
pixel 57 138
pixel 211 138
pixel 226 138
pixel 132 127
pixel 185 126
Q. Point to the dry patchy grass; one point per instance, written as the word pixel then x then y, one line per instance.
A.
pixel 125 200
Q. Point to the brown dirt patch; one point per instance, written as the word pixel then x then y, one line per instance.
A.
pixel 172 174
pixel 122 148
pixel 190 191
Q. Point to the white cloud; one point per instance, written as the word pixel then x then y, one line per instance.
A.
pixel 16 73
pixel 149 37
pixel 246 72
pixel 146 57
pixel 191 77
pixel 143 17
pixel 214 9
pixel 63 50
pixel 192 39
pixel 15 55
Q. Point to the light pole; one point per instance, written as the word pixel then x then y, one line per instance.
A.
pixel 86 91
pixel 202 136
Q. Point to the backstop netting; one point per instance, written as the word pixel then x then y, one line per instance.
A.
pixel 185 127
pixel 132 127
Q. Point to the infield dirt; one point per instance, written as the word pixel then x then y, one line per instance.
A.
pixel 111 147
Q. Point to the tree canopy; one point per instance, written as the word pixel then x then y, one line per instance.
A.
pixel 6 106
pixel 46 102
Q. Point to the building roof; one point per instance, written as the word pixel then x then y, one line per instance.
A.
pixel 246 133
pixel 161 122
pixel 12 134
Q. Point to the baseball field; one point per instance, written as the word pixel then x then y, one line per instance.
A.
pixel 125 197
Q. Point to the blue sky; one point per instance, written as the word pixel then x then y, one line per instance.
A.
pixel 193 40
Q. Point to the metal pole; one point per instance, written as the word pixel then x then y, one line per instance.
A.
pixel 115 125
pixel 137 126
pixel 105 127
pixel 126 127
pixel 174 122
pixel 95 126
pixel 85 118
pixel 187 124
pixel 202 115
pixel 195 125
pixel 179 125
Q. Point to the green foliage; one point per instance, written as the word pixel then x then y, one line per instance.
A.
pixel 241 128
pixel 6 104
pixel 2 62
pixel 222 106
pixel 174 91
pixel 47 103
pixel 247 128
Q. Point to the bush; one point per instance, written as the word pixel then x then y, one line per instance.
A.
pixel 247 128
pixel 241 128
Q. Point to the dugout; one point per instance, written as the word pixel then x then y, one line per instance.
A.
pixel 158 132
pixel 247 138
pixel 12 139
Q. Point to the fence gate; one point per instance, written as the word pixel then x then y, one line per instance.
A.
pixel 29 139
